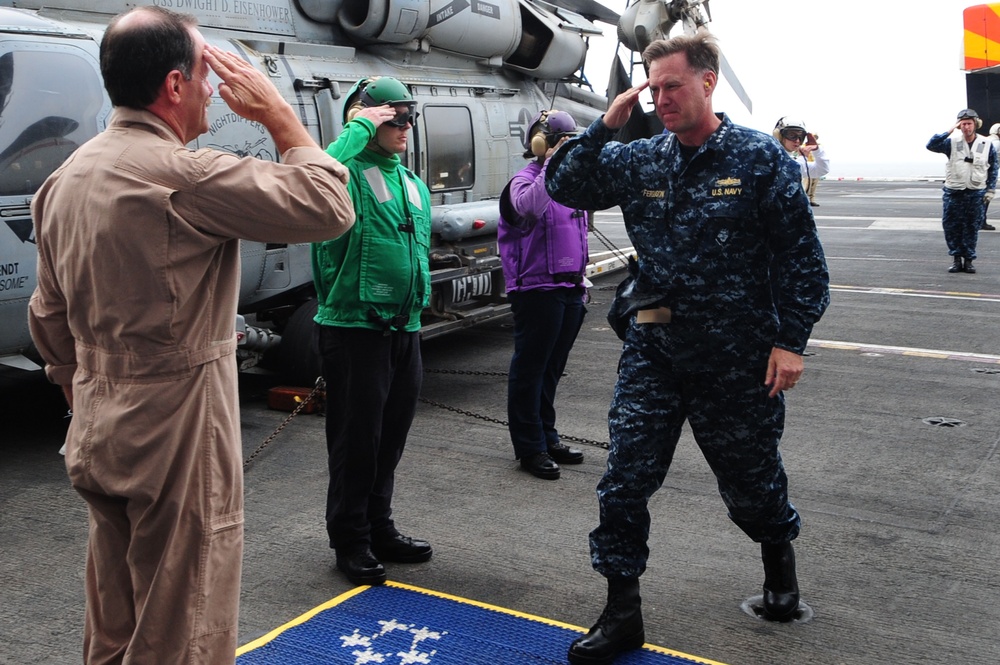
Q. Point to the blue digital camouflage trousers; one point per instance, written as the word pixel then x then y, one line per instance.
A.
pixel 736 425
pixel 964 213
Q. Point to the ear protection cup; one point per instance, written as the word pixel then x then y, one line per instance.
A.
pixel 979 123
pixel 776 132
pixel 545 130
pixel 353 110
pixel 539 145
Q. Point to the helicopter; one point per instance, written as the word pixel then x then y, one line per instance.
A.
pixel 478 70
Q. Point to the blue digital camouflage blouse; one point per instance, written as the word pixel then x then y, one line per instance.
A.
pixel 725 237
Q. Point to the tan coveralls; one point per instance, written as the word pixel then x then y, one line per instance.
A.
pixel 138 277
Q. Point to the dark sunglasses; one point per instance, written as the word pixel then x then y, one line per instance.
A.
pixel 793 135
pixel 404 118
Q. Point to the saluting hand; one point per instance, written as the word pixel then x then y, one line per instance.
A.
pixel 551 151
pixel 377 114
pixel 621 108
pixel 250 94
pixel 244 88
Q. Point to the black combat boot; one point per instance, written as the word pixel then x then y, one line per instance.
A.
pixel 968 267
pixel 781 588
pixel 957 266
pixel 619 628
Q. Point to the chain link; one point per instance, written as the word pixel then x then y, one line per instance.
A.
pixel 319 387
pixel 469 372
pixel 489 419
pixel 504 423
pixel 614 249
pixel 609 245
pixel 471 414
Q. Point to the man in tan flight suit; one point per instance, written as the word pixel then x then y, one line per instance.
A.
pixel 134 313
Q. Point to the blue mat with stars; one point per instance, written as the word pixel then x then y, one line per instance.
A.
pixel 397 624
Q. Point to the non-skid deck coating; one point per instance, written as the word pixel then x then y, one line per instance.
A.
pixel 397 624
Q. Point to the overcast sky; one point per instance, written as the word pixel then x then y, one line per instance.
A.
pixel 874 78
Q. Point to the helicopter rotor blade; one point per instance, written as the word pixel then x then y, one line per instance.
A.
pixel 646 20
pixel 734 81
pixel 588 9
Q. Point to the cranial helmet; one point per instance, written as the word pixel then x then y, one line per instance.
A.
pixel 970 114
pixel 375 91
pixel 995 129
pixel 545 130
pixel 787 123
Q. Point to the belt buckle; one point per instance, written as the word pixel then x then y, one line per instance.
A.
pixel 655 315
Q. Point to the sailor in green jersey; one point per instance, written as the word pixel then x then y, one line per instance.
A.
pixel 372 284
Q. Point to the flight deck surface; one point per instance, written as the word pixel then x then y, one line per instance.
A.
pixel 890 446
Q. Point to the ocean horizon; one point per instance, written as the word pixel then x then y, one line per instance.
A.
pixel 886 170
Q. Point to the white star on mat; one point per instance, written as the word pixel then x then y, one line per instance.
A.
pixel 426 633
pixel 368 656
pixel 392 624
pixel 355 639
pixel 414 656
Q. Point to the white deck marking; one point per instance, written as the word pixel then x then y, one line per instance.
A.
pixel 939 354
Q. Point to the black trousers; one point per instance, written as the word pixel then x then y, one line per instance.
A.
pixel 546 324
pixel 372 385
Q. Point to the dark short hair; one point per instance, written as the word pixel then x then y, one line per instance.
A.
pixel 701 49
pixel 136 59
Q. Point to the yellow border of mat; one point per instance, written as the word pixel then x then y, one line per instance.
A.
pixel 261 641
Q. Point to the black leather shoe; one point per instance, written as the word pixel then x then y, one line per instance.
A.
pixel 563 454
pixel 968 267
pixel 619 628
pixel 540 465
pixel 956 265
pixel 402 549
pixel 781 587
pixel 987 227
pixel 361 567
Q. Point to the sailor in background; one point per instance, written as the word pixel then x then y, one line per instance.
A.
pixel 543 246
pixel 969 183
pixel 804 148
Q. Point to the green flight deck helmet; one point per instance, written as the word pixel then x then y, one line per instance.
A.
pixel 377 91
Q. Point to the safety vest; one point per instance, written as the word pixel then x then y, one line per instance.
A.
pixel 968 166
pixel 547 252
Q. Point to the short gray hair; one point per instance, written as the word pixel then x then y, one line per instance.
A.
pixel 701 49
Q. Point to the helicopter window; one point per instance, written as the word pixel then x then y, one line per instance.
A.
pixel 49 105
pixel 451 160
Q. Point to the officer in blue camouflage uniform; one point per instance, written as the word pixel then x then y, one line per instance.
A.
pixel 731 278
pixel 969 184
